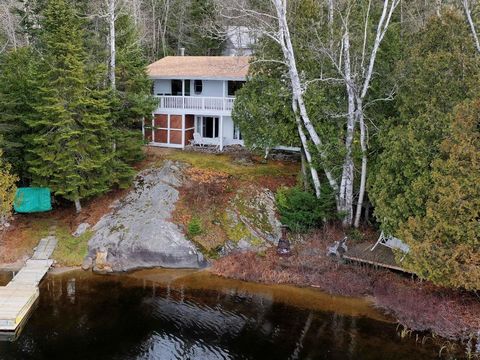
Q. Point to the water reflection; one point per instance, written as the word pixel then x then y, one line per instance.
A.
pixel 175 315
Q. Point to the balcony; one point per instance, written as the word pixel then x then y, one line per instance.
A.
pixel 195 103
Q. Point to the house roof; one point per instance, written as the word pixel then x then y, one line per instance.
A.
pixel 200 67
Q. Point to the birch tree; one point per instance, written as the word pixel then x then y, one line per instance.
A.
pixel 352 68
pixel 271 22
pixel 467 7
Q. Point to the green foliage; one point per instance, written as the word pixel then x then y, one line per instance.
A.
pixel 301 210
pixel 445 239
pixel 355 235
pixel 264 114
pixel 440 70
pixel 69 140
pixel 7 190
pixel 199 39
pixel 195 227
pixel 18 94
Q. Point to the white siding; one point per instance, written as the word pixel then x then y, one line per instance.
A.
pixel 162 87
pixel 211 88
pixel 228 131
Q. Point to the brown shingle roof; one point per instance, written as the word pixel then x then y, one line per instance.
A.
pixel 200 67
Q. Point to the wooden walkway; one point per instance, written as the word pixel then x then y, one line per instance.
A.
pixel 382 256
pixel 21 293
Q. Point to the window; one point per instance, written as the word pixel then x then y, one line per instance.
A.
pixel 176 87
pixel 237 135
pixel 198 86
pixel 187 87
pixel 198 128
pixel 210 127
pixel 234 86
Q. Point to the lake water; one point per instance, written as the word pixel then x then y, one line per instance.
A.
pixel 175 314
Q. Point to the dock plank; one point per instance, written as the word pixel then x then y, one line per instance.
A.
pixel 20 294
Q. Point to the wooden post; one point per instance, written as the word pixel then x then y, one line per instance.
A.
pixel 153 127
pixel 224 96
pixel 183 93
pixel 220 133
pixel 183 131
pixel 168 129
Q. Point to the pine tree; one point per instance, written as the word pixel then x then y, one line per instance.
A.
pixel 69 142
pixel 131 101
pixel 18 93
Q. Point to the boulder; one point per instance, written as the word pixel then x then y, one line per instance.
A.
pixel 87 263
pixel 138 232
pixel 251 221
pixel 81 229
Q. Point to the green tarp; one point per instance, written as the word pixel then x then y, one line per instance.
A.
pixel 32 199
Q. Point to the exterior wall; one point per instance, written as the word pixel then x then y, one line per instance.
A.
pixel 169 132
pixel 228 126
pixel 211 88
pixel 162 87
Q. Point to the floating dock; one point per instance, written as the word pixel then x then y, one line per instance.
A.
pixel 18 297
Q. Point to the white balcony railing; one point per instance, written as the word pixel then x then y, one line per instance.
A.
pixel 195 103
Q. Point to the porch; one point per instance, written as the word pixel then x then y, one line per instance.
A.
pixel 195 103
pixel 181 130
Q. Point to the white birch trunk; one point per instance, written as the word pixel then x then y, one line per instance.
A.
pixel 346 187
pixel 308 156
pixel 287 48
pixel 468 14
pixel 111 20
pixel 363 175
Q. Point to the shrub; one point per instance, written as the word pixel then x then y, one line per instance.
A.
pixel 301 210
pixel 7 190
pixel 194 227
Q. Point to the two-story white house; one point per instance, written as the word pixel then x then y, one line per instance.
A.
pixel 195 100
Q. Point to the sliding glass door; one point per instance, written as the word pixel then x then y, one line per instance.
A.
pixel 208 126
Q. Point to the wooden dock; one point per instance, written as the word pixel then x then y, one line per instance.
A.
pixel 381 257
pixel 18 297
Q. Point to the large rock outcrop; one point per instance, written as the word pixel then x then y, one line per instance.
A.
pixel 138 232
pixel 250 220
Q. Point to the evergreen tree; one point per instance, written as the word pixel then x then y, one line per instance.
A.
pixel 18 94
pixel 200 38
pixel 69 143
pixel 440 70
pixel 445 240
pixel 132 100
pixel 264 114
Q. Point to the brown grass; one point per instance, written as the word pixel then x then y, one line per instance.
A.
pixel 418 305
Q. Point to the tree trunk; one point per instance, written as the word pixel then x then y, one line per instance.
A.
pixel 346 187
pixel 289 55
pixel 78 205
pixel 363 176
pixel 304 169
pixel 468 14
pixel 308 156
pixel 111 16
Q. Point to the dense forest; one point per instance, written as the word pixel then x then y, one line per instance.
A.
pixel 382 97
